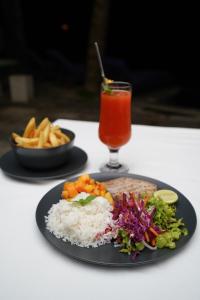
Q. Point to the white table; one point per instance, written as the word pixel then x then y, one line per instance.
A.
pixel 30 268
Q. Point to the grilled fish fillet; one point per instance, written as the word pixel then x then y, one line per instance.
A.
pixel 126 184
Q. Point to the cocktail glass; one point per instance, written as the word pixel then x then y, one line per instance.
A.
pixel 115 121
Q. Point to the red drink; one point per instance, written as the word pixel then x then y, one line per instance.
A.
pixel 115 117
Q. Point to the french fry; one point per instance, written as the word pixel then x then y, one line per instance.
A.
pixel 61 135
pixel 22 141
pixel 58 133
pixel 46 133
pixel 41 127
pixel 14 136
pixel 47 145
pixel 62 140
pixel 53 139
pixel 30 127
pixel 26 146
pixel 55 128
pixel 41 141
pixel 44 136
pixel 66 138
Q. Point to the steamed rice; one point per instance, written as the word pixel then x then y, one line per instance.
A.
pixel 81 225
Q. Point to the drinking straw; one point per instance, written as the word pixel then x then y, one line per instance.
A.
pixel 100 61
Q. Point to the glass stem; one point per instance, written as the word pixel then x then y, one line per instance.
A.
pixel 113 160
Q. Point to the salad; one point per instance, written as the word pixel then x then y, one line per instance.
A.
pixel 144 221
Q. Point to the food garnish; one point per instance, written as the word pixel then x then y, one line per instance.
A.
pixel 45 135
pixel 106 88
pixel 167 196
pixel 108 81
pixel 85 201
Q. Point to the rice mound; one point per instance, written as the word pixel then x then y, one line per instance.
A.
pixel 83 226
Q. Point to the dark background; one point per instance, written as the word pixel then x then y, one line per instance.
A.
pixel 153 45
pixel 54 35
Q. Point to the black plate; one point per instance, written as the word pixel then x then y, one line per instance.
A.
pixel 108 255
pixel 76 161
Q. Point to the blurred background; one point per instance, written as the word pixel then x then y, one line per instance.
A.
pixel 48 64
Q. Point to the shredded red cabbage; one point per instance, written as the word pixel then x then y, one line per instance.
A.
pixel 131 215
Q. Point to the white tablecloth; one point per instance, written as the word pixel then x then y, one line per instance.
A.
pixel 30 268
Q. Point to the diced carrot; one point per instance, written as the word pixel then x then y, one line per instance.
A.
pixel 89 188
pixel 96 192
pixel 80 186
pixel 92 181
pixel 65 195
pixel 101 187
pixel 65 186
pixel 102 193
pixel 153 242
pixel 84 178
pixel 72 190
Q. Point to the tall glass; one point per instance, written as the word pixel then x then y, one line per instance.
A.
pixel 115 121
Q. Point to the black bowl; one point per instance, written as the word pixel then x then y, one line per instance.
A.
pixel 41 159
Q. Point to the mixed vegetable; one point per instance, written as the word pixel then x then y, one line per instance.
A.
pixel 146 222
pixel 86 184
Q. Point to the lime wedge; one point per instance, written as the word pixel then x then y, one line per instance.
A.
pixel 108 81
pixel 167 196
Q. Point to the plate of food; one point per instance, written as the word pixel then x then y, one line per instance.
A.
pixel 119 220
pixel 43 151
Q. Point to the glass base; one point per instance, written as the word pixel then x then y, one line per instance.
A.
pixel 121 168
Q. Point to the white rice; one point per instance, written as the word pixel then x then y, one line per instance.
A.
pixel 81 225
